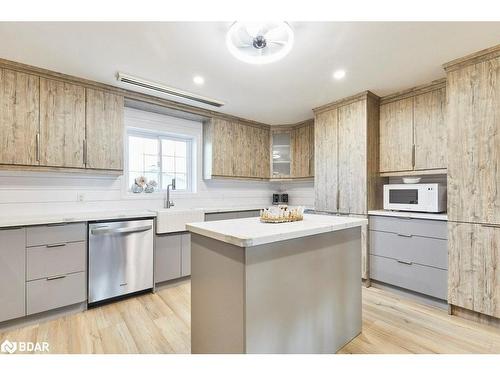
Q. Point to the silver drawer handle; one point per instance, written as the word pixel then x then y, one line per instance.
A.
pixel 490 225
pixel 404 235
pixel 107 230
pixel 56 245
pixel 56 277
pixel 404 262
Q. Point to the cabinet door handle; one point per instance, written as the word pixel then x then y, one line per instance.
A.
pixel 56 277
pixel 404 235
pixel 338 199
pixel 490 225
pixel 56 245
pixel 37 146
pixel 404 262
pixel 84 152
pixel 413 156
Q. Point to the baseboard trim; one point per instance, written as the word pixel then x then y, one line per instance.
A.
pixel 171 283
pixel 42 317
pixel 475 316
pixel 419 297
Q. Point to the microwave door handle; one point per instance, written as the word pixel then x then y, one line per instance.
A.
pixel 106 230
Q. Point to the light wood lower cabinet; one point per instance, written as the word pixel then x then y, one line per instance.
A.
pixel 474 273
pixel 104 130
pixel 19 118
pixel 12 273
pixel 62 124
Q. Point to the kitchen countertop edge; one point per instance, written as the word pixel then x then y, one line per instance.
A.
pixel 412 215
pixel 245 241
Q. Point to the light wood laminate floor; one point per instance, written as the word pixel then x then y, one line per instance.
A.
pixel 160 323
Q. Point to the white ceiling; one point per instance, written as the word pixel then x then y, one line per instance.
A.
pixel 382 57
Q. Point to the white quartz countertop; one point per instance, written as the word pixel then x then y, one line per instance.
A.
pixel 80 216
pixel 251 232
pixel 414 215
pixel 72 217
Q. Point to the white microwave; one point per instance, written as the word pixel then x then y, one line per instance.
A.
pixel 415 197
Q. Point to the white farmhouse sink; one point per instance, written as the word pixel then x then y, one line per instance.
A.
pixel 171 220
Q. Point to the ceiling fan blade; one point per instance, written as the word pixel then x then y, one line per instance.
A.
pixel 264 29
pixel 279 42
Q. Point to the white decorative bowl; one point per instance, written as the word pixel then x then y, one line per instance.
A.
pixel 411 180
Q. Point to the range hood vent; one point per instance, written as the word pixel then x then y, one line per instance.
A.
pixel 139 82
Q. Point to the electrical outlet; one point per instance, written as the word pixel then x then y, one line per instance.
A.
pixel 80 197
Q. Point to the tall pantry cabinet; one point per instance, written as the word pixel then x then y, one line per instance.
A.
pixel 346 168
pixel 473 89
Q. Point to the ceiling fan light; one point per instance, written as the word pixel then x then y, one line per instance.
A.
pixel 259 43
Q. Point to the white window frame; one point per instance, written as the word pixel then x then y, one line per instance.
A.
pixel 158 135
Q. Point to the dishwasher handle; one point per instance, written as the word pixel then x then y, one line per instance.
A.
pixel 108 230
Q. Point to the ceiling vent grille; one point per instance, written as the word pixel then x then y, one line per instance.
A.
pixel 139 82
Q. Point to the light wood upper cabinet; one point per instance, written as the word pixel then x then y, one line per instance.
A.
pixel 352 159
pixel 413 130
pixel 473 270
pixel 396 136
pixel 302 150
pixel 326 160
pixel 346 155
pixel 260 148
pixel 474 142
pixel 219 137
pixel 234 149
pixel 104 130
pixel 19 118
pixel 430 130
pixel 62 124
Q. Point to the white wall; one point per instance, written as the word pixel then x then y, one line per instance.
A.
pixel 42 192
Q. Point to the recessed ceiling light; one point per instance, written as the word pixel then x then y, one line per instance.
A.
pixel 259 42
pixel 339 74
pixel 199 80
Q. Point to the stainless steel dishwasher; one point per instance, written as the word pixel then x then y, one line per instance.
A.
pixel 120 258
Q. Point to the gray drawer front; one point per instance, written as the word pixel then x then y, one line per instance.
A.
pixel 221 216
pixel 186 254
pixel 46 261
pixel 43 295
pixel 244 214
pixel 12 273
pixel 167 257
pixel 53 234
pixel 416 227
pixel 423 250
pixel 231 215
pixel 426 280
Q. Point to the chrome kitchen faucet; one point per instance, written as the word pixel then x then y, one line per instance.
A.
pixel 168 203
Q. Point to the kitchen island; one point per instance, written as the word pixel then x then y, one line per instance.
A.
pixel 275 288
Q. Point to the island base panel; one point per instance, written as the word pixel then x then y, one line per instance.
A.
pixel 294 296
